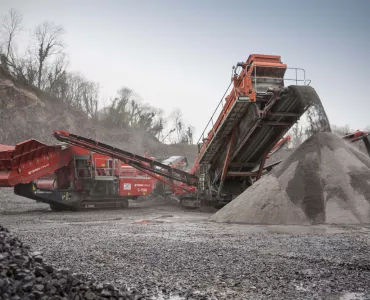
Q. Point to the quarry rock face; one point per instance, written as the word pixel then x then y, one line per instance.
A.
pixel 325 180
pixel 28 112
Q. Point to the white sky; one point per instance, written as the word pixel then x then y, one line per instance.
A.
pixel 179 54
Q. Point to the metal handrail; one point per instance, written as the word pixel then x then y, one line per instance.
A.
pixel 211 119
pixel 109 169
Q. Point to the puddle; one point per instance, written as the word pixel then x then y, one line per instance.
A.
pixel 353 296
pixel 165 216
pixel 79 222
pixel 309 229
pixel 143 222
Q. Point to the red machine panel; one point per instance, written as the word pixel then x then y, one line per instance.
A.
pixel 136 186
pixel 30 160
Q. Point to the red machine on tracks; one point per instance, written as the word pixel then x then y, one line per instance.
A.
pixel 70 177
pixel 247 127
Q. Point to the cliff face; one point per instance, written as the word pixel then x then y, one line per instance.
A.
pixel 27 112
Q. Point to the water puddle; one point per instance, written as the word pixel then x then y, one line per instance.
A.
pixel 353 296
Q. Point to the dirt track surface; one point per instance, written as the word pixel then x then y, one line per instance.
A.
pixel 165 250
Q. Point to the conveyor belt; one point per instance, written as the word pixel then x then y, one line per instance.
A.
pixel 258 129
pixel 139 162
pixel 233 117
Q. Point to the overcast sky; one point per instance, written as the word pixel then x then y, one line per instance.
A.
pixel 180 53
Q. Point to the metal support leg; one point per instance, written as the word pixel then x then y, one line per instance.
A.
pixel 226 163
pixel 259 173
pixel 171 181
pixel 209 188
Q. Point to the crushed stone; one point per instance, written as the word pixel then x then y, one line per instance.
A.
pixel 325 180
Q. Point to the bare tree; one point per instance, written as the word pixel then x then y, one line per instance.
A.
pixel 134 111
pixel 189 134
pixel 76 91
pixel 184 132
pixel 49 42
pixel 90 98
pixel 56 76
pixel 24 69
pixel 75 83
pixel 158 124
pixel 178 124
pixel 118 113
pixel 166 136
pixel 10 26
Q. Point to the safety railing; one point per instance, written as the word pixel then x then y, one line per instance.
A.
pixel 214 117
pixel 104 167
pixel 295 76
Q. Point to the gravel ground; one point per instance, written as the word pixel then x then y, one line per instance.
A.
pixel 25 276
pixel 169 253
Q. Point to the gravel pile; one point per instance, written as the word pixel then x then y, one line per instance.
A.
pixel 24 275
pixel 325 180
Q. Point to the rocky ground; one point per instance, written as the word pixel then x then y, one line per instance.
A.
pixel 165 252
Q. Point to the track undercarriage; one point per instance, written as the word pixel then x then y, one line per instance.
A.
pixel 70 200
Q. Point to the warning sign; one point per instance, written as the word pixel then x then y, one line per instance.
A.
pixel 127 186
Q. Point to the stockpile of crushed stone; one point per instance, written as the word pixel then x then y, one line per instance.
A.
pixel 325 180
pixel 24 275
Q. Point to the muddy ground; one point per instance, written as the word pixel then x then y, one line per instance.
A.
pixel 164 251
